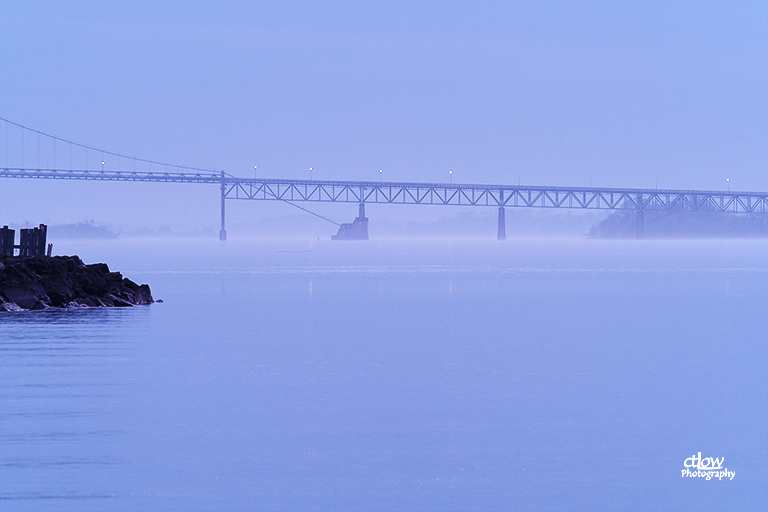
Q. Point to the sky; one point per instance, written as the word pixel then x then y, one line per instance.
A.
pixel 612 94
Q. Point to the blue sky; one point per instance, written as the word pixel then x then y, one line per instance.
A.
pixel 550 93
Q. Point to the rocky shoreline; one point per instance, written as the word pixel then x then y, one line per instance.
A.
pixel 44 282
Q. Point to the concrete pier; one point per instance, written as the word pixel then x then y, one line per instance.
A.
pixel 357 230
pixel 502 231
pixel 223 232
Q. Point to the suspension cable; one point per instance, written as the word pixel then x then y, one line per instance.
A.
pixel 310 212
pixel 103 152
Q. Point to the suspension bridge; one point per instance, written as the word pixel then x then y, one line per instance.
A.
pixel 363 192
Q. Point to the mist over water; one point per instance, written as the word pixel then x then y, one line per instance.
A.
pixel 535 374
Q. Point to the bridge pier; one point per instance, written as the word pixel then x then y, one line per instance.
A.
pixel 357 230
pixel 502 226
pixel 639 224
pixel 223 232
pixel 502 232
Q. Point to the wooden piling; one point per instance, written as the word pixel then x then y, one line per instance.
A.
pixel 31 241
pixel 7 237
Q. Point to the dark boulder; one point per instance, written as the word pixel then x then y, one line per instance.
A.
pixel 41 282
pixel 27 295
pixel 98 268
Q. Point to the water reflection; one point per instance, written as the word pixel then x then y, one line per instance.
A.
pixel 60 402
pixel 56 317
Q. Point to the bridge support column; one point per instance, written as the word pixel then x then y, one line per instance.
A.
pixel 502 233
pixel 223 232
pixel 639 224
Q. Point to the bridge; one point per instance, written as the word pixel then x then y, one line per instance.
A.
pixel 382 192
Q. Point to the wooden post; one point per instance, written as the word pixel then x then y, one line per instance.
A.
pixel 34 237
pixel 31 241
pixel 42 239
pixel 23 242
pixel 7 237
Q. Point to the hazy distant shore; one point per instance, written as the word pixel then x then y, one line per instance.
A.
pixel 676 224
pixel 466 224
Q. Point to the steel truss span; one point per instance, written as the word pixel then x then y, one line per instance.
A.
pixel 373 192
pixel 495 195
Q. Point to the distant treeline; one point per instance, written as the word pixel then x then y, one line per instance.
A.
pixel 89 230
pixel 519 222
pixel 85 229
pixel 677 224
pixel 167 232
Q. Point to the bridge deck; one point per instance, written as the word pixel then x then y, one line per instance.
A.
pixel 273 189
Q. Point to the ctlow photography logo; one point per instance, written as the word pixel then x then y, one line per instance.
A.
pixel 708 467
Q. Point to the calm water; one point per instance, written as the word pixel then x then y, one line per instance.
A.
pixel 395 376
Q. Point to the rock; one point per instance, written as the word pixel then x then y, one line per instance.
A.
pixel 42 282
pixel 9 306
pixel 21 296
pixel 98 268
pixel 144 295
